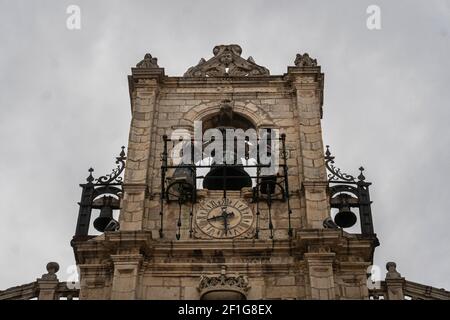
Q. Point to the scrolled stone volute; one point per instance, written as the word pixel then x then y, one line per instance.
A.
pixel 148 62
pixel 304 60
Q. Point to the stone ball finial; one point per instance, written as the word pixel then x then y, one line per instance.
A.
pixel 391 266
pixel 52 267
pixel 223 270
pixel 392 272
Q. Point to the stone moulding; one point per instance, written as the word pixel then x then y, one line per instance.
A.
pixel 227 61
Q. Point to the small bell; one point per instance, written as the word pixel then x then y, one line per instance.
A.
pixel 345 218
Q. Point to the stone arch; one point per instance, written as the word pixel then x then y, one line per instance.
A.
pixel 252 112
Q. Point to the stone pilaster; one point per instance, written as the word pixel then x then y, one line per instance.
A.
pixel 321 277
pixel 351 281
pixel 47 289
pixel 317 204
pixel 125 281
pixel 308 85
pixel 144 88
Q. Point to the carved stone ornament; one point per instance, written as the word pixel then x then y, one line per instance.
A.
pixel 392 273
pixel 223 287
pixel 148 62
pixel 52 269
pixel 304 60
pixel 227 61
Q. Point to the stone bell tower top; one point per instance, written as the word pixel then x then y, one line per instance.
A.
pixel 228 193
pixel 227 62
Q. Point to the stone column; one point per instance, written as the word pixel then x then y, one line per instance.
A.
pixel 394 282
pixel 125 281
pixel 144 88
pixel 321 278
pixel 307 82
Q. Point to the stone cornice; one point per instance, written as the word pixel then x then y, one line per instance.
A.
pixel 133 188
pixel 299 77
pixel 144 77
pixel 337 241
pixel 315 241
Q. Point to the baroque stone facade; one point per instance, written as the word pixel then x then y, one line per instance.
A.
pixel 316 263
pixel 160 250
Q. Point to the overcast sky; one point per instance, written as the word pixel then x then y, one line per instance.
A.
pixel 64 106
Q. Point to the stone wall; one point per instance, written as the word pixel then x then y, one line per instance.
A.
pixel 291 103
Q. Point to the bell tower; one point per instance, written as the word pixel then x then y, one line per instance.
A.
pixel 228 191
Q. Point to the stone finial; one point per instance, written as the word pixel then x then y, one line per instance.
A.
pixel 392 273
pixel 148 62
pixel 223 270
pixel 304 60
pixel 52 269
pixel 227 61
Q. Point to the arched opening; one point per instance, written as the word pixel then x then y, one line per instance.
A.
pixel 229 161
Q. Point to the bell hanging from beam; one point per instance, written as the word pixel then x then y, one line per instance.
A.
pixel 268 184
pixel 345 218
pixel 227 177
pixel 106 215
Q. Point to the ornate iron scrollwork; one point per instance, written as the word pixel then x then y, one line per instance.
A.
pixel 334 172
pixel 95 195
pixel 268 188
pixel 342 185
pixel 114 176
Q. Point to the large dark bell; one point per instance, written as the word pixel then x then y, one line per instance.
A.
pixel 345 218
pixel 268 184
pixel 236 178
pixel 105 217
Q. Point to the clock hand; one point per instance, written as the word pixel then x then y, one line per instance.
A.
pixel 225 222
pixel 215 218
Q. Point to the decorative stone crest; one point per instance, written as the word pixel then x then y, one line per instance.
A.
pixel 148 62
pixel 227 61
pixel 304 60
pixel 223 286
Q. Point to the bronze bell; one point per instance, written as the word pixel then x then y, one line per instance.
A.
pixel 236 178
pixel 345 218
pixel 268 184
pixel 106 215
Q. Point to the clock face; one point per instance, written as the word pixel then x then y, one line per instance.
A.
pixel 224 218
